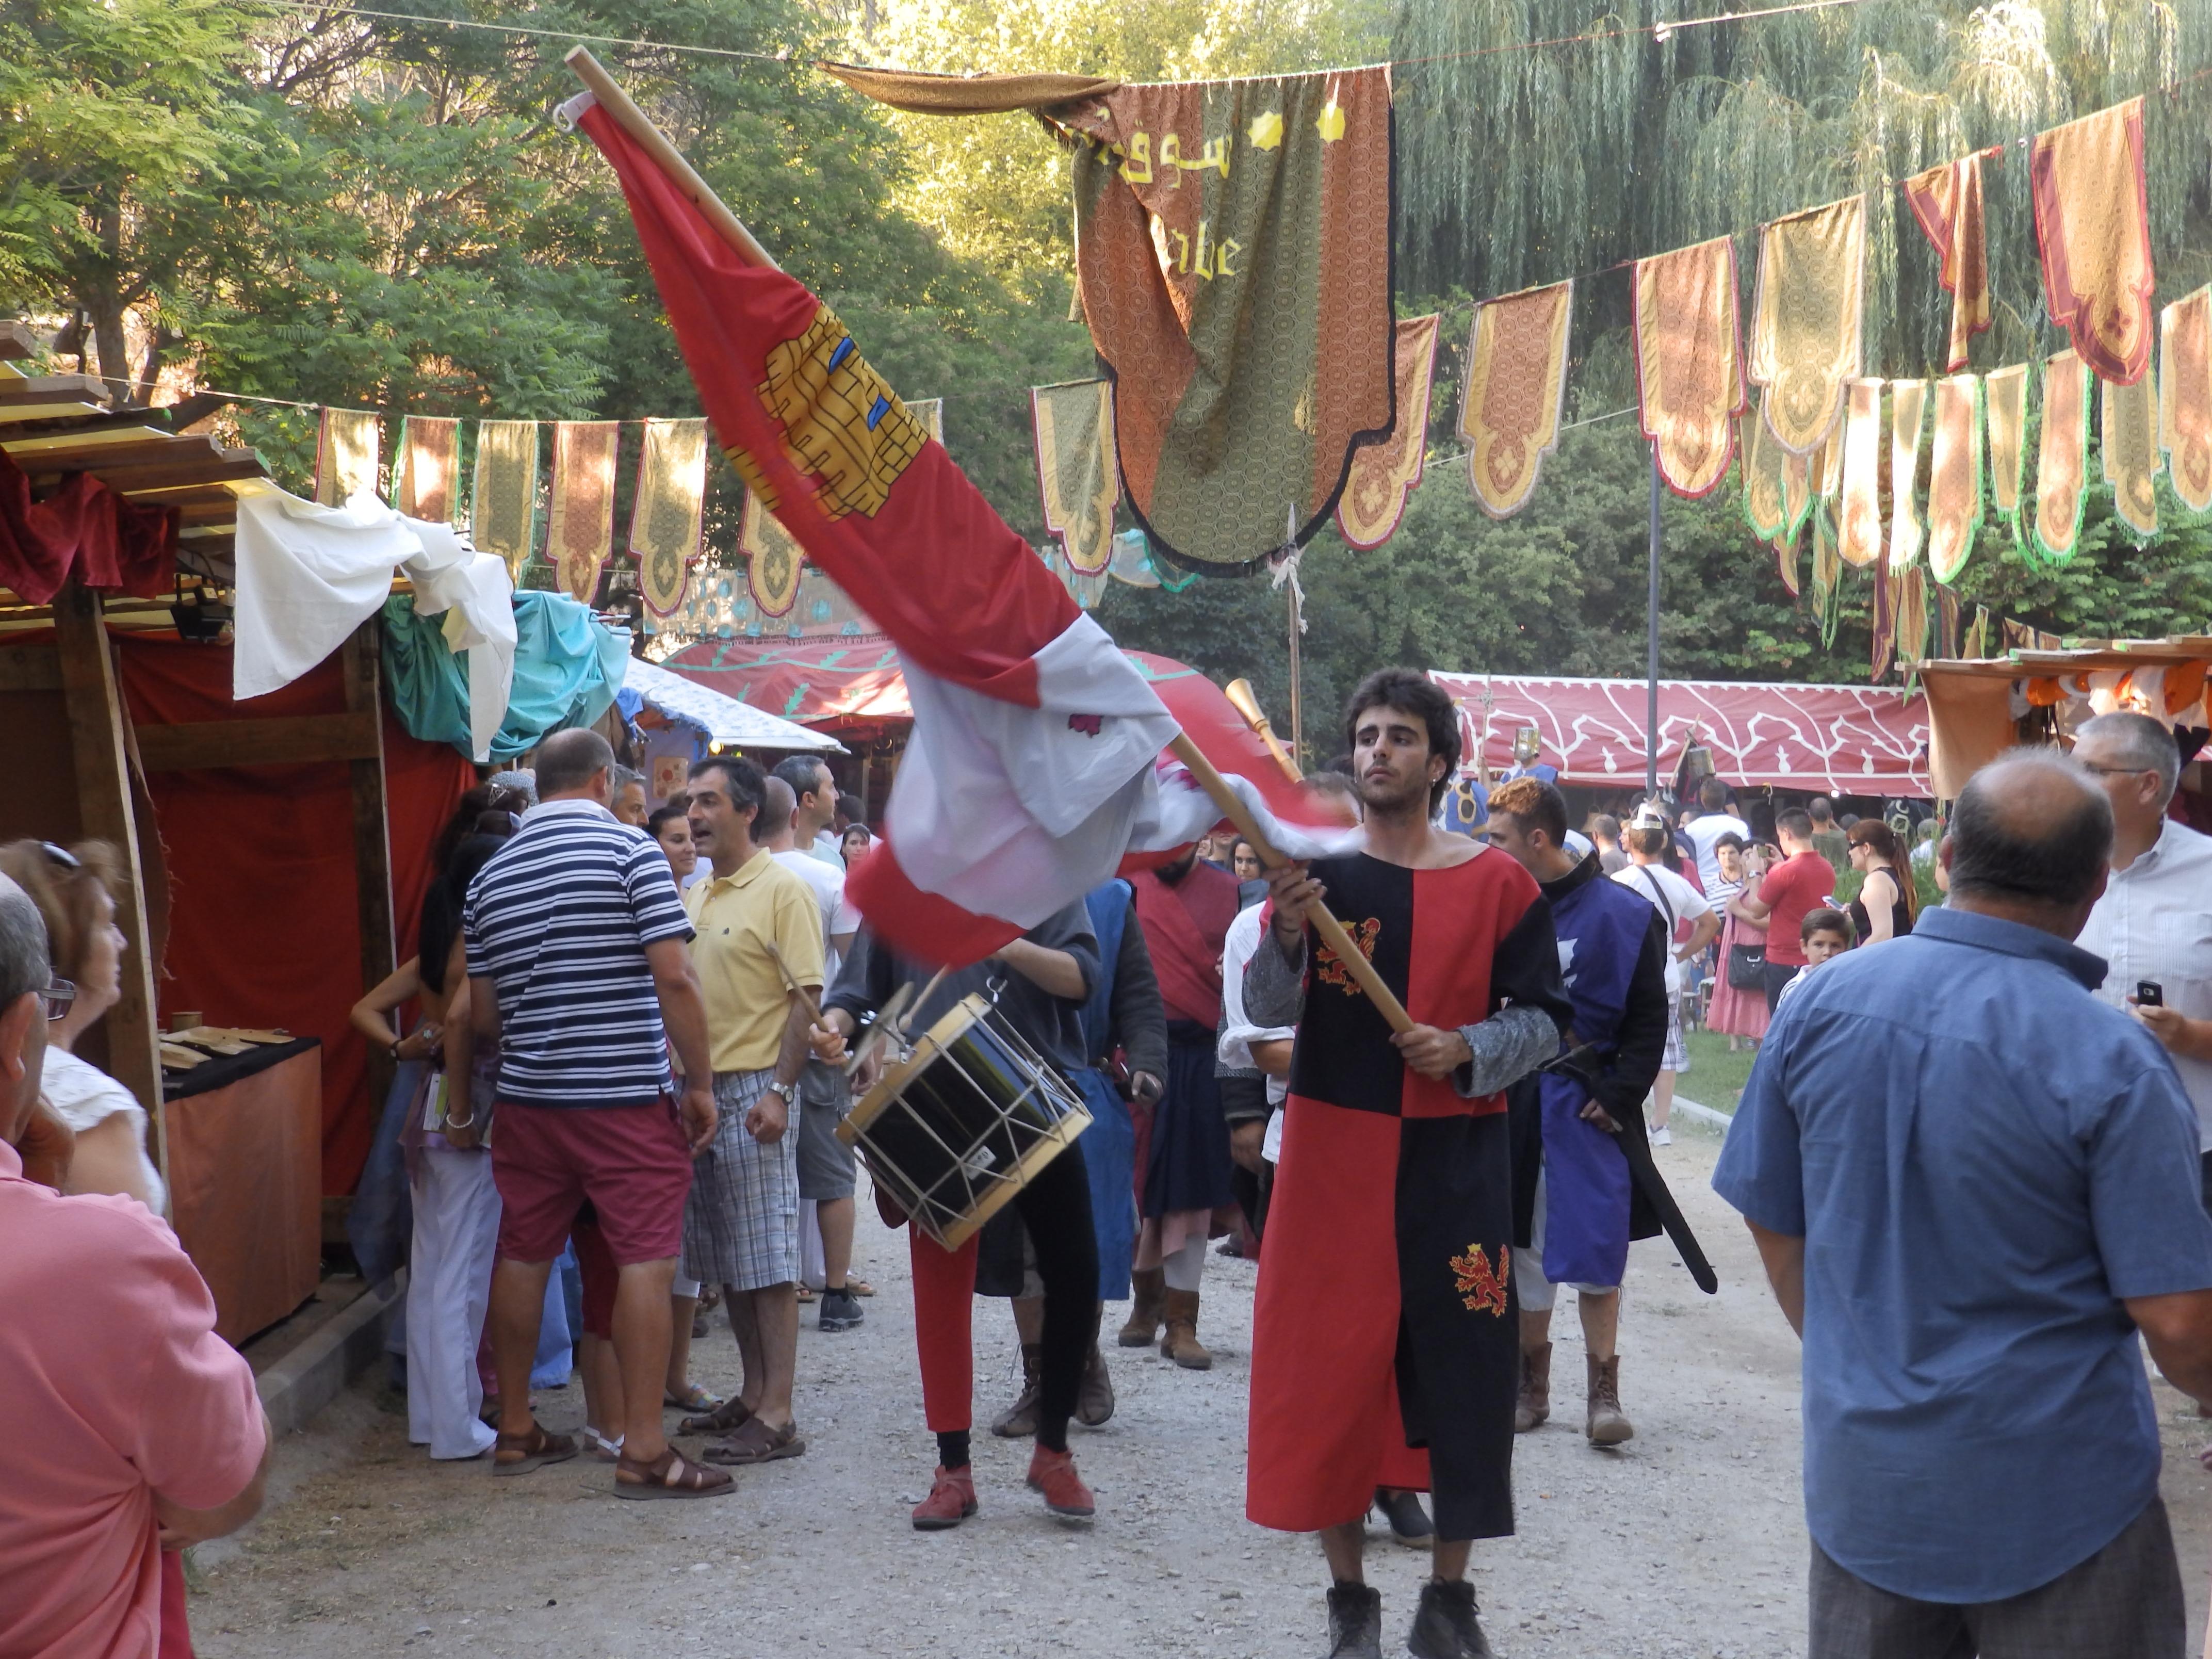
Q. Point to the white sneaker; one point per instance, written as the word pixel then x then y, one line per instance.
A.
pixel 1661 1138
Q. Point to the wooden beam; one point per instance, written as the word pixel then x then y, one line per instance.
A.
pixel 17 341
pixel 47 388
pixel 358 665
pixel 289 741
pixel 30 668
pixel 99 738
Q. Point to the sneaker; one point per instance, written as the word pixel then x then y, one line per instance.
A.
pixel 1661 1138
pixel 841 1311
pixel 1054 1475
pixel 951 1500
pixel 1355 1622
pixel 1444 1624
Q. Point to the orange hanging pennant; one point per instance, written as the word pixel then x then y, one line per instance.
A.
pixel 1384 476
pixel 579 522
pixel 1516 388
pixel 1946 204
pixel 2092 225
pixel 1955 476
pixel 2061 461
pixel 2185 397
pixel 1689 364
pixel 1858 528
pixel 1908 406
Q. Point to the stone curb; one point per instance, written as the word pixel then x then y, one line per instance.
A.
pixel 311 1375
pixel 1704 1116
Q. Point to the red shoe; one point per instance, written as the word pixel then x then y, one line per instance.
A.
pixel 951 1500
pixel 1054 1475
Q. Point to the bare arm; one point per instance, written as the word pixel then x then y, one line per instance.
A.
pixel 2178 1328
pixel 109 1158
pixel 1748 903
pixel 683 1014
pixel 181 1526
pixel 771 1116
pixel 1878 893
pixel 1273 1055
pixel 1054 971
pixel 1703 931
pixel 1785 1257
pixel 369 1016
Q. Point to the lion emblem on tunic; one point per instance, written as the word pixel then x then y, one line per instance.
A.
pixel 841 421
pixel 1480 1289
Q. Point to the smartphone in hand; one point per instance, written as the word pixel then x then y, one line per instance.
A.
pixel 2150 993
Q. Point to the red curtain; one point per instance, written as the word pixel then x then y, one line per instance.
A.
pixel 264 927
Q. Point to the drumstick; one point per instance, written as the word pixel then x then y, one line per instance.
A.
pixel 813 1008
pixel 887 1026
pixel 928 991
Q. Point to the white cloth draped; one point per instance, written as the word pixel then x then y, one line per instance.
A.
pixel 308 575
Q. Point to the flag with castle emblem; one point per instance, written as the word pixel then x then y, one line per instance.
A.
pixel 1034 771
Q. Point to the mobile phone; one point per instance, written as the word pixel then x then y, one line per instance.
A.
pixel 2150 993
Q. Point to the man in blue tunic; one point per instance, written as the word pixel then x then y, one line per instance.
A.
pixel 1575 1202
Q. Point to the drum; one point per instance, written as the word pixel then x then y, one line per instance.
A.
pixel 963 1121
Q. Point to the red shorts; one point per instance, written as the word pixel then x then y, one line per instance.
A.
pixel 595 1265
pixel 631 1161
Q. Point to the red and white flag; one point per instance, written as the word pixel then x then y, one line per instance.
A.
pixel 1034 770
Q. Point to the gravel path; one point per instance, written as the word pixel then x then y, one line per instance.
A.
pixel 1688 1542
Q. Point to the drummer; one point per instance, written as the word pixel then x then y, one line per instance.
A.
pixel 1041 983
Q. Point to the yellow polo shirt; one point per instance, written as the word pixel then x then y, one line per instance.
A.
pixel 736 916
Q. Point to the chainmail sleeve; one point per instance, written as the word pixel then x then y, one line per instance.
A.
pixel 1274 988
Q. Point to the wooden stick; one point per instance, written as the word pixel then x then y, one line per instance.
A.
pixel 1324 920
pixel 813 1008
pixel 634 121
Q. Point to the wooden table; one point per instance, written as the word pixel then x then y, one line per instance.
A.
pixel 246 1178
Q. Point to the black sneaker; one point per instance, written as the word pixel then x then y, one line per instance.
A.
pixel 1355 1622
pixel 1409 1522
pixel 839 1311
pixel 1444 1624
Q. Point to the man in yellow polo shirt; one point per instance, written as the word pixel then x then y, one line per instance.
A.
pixel 741 1224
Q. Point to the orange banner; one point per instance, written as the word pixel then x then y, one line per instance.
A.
pixel 1384 476
pixel 1517 387
pixel 1689 366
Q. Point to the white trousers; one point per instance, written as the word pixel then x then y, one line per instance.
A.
pixel 448 1288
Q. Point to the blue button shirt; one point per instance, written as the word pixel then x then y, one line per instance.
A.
pixel 1983 1160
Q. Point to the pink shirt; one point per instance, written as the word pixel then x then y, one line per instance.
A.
pixel 115 1385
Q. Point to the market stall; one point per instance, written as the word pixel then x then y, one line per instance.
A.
pixel 681 721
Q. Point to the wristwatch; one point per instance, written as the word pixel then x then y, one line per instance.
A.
pixel 394 1052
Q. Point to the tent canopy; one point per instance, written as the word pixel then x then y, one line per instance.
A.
pixel 723 718
pixel 1839 739
pixel 837 681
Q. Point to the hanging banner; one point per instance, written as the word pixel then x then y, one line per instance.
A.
pixel 2093 226
pixel 1689 368
pixel 580 519
pixel 1516 393
pixel 503 501
pixel 1073 426
pixel 2005 394
pixel 1955 476
pixel 430 469
pixel 1764 508
pixel 2185 397
pixel 1882 618
pixel 1858 528
pixel 930 412
pixel 1946 643
pixel 1908 414
pixel 1233 252
pixel 1806 320
pixel 2061 462
pixel 2128 450
pixel 664 515
pixel 346 455
pixel 1384 476
pixel 1912 617
pixel 774 559
pixel 1946 204
pixel 1785 562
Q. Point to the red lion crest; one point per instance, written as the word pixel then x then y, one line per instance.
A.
pixel 1479 1288
pixel 1330 966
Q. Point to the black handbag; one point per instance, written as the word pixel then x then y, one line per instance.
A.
pixel 1747 968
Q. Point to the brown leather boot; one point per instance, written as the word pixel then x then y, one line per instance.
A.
pixel 1608 1426
pixel 1094 1398
pixel 1150 1285
pixel 1534 1404
pixel 1181 1343
pixel 1019 1421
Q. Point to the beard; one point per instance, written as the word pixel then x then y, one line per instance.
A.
pixel 1388 798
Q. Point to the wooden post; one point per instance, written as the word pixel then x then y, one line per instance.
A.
pixel 99 739
pixel 372 844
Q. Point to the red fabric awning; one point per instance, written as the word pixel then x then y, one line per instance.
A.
pixel 838 680
pixel 1839 739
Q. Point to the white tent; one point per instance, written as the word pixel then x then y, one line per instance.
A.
pixel 719 719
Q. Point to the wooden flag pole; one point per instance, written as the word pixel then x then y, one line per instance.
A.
pixel 634 121
pixel 1324 921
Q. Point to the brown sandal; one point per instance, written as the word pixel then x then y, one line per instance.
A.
pixel 519 1454
pixel 731 1414
pixel 669 1475
pixel 756 1443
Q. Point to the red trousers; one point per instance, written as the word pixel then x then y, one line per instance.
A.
pixel 943 1329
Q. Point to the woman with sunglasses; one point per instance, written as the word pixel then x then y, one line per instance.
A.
pixel 75 889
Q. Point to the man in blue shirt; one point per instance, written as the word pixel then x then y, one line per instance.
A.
pixel 1972 1184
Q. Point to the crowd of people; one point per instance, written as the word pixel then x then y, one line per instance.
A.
pixel 623 1048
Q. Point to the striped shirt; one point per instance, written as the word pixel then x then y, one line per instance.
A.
pixel 559 920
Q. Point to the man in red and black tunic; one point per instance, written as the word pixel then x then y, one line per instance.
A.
pixel 1383 1353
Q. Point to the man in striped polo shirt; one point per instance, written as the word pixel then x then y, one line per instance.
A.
pixel 579 971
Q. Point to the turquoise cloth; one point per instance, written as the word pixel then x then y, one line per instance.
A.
pixel 567 668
